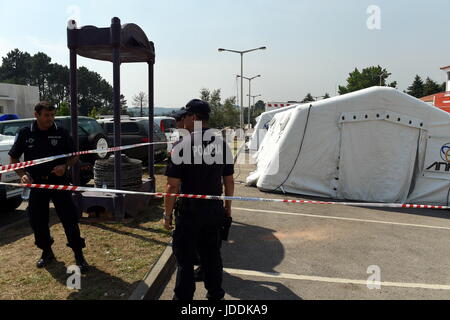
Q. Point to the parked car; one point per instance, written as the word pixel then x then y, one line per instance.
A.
pixel 134 131
pixel 90 136
pixel 10 197
pixel 167 125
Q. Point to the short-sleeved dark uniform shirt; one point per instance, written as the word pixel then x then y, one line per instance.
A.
pixel 202 178
pixel 36 144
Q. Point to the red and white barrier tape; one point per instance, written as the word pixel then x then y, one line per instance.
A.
pixel 21 165
pixel 206 197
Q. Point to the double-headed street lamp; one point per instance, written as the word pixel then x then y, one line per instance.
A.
pixel 253 105
pixel 241 118
pixel 381 77
pixel 254 97
pixel 249 94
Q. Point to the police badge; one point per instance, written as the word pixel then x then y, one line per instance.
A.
pixel 54 142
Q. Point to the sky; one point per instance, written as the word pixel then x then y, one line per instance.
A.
pixel 312 45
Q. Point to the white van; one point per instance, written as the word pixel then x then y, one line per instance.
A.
pixel 167 125
pixel 10 197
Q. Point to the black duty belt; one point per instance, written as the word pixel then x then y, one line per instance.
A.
pixel 199 203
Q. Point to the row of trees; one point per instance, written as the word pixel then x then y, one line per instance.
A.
pixel 222 114
pixel 368 77
pixel 226 114
pixel 64 109
pixel 95 94
pixel 420 89
pixel 377 76
pixel 310 98
pixel 52 79
pixel 357 80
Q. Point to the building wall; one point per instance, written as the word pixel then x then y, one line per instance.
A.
pixel 17 99
pixel 442 100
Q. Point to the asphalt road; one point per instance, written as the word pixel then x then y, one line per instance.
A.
pixel 283 251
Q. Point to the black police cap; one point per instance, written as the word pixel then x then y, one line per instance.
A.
pixel 198 106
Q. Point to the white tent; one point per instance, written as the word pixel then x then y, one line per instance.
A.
pixel 376 145
pixel 262 125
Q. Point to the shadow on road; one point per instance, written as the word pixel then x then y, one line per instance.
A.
pixel 257 249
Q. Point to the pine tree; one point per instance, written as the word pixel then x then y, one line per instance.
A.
pixel 416 89
pixel 308 98
pixel 431 87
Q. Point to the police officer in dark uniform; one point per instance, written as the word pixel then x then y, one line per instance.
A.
pixel 199 222
pixel 179 119
pixel 44 139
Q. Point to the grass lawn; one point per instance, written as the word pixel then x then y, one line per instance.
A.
pixel 120 256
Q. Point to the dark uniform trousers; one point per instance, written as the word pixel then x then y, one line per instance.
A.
pixel 198 225
pixel 38 213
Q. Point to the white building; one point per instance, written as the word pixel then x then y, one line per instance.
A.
pixel 18 99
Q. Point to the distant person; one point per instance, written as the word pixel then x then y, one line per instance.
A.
pixel 179 118
pixel 199 222
pixel 44 139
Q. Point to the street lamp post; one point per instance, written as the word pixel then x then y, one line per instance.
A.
pixel 253 105
pixel 381 75
pixel 241 117
pixel 237 92
pixel 254 97
pixel 249 94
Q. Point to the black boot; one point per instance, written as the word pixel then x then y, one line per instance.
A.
pixel 46 258
pixel 80 261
